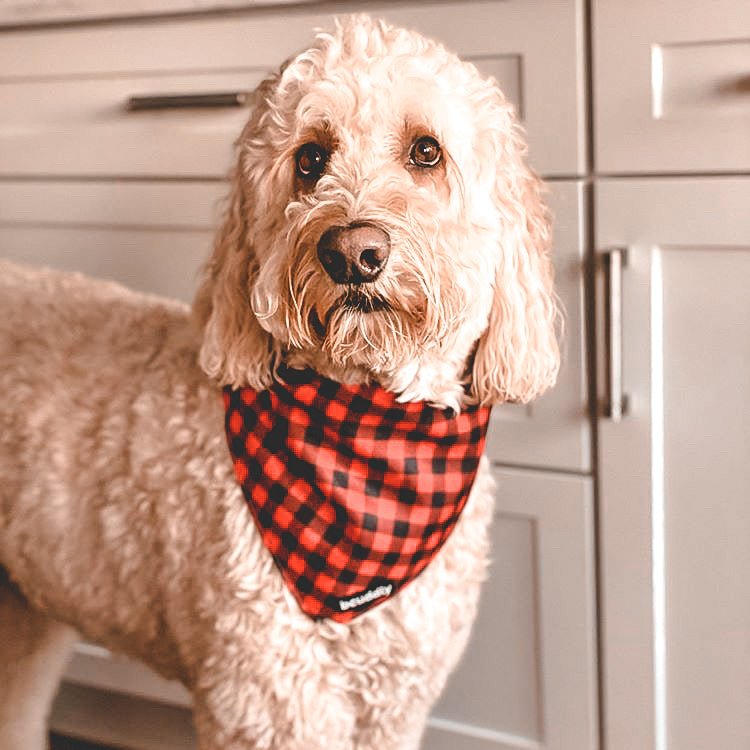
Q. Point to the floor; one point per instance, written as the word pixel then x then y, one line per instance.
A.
pixel 58 742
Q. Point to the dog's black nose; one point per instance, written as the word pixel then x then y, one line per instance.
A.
pixel 355 254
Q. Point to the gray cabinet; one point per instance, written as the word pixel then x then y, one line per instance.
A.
pixel 671 93
pixel 554 431
pixel 528 679
pixel 150 235
pixel 63 89
pixel 672 85
pixel 674 475
pixel 132 196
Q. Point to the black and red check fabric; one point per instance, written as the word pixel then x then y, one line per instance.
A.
pixel 352 492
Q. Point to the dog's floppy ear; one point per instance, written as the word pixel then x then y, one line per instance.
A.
pixel 517 357
pixel 235 350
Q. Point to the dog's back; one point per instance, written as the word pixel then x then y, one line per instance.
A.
pixel 54 316
pixel 73 351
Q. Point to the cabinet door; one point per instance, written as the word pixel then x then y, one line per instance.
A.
pixel 674 472
pixel 671 86
pixel 150 236
pixel 63 90
pixel 554 431
pixel 528 678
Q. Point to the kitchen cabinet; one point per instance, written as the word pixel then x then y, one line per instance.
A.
pixel 674 475
pixel 149 235
pixel 672 234
pixel 554 431
pixel 63 107
pixel 87 184
pixel 672 86
pixel 529 676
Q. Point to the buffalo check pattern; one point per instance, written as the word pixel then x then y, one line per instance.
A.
pixel 352 492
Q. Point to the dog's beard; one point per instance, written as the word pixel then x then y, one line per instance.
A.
pixel 377 326
pixel 367 328
pixel 366 331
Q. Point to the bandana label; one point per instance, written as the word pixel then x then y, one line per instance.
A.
pixel 366 598
pixel 352 492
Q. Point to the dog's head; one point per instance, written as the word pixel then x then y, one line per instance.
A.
pixel 382 224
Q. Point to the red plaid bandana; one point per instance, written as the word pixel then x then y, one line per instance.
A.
pixel 353 492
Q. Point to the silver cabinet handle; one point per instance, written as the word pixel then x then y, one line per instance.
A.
pixel 152 102
pixel 616 404
pixel 735 86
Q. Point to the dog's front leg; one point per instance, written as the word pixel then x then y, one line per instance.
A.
pixel 34 652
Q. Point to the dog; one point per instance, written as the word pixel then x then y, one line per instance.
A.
pixel 383 234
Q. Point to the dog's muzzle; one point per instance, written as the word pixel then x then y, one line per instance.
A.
pixel 355 254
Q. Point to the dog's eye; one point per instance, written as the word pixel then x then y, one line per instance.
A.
pixel 426 152
pixel 311 161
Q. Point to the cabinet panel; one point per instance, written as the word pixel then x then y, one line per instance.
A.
pixel 96 667
pixel 45 11
pixel 62 90
pixel 528 678
pixel 554 430
pixel 118 720
pixel 154 236
pixel 674 476
pixel 80 126
pixel 150 236
pixel 671 86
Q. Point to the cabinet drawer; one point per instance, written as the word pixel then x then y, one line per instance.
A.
pixel 63 90
pixel 113 719
pixel 96 667
pixel 150 236
pixel 528 677
pixel 81 126
pixel 672 86
pixel 23 12
pixel 554 430
pixel 154 236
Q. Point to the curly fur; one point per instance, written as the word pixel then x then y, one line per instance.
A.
pixel 119 516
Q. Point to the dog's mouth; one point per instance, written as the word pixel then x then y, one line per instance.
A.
pixel 355 301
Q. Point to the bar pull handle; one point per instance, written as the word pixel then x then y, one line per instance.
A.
pixel 153 102
pixel 616 401
pixel 735 86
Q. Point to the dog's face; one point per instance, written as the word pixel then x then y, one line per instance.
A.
pixel 383 225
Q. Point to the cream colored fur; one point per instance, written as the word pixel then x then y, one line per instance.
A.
pixel 119 515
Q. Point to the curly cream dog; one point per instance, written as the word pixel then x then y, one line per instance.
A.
pixel 382 227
